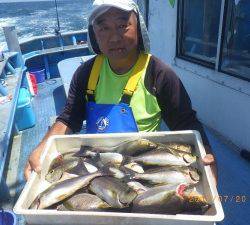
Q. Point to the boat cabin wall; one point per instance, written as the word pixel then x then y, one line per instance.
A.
pixel 222 101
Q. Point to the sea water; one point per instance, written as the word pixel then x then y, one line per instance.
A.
pixel 36 18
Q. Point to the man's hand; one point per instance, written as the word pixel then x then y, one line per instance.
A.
pixel 210 160
pixel 33 163
pixel 34 159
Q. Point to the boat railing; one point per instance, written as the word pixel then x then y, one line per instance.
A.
pixel 44 51
pixel 54 42
pixel 48 50
pixel 8 115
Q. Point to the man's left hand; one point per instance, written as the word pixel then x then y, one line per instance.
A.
pixel 210 160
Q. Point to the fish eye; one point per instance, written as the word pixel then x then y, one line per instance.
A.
pixel 52 171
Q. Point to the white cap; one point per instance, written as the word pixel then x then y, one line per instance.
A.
pixel 102 6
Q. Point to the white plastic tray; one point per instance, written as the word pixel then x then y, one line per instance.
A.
pixel 64 143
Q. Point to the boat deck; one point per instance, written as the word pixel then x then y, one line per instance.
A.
pixel 234 172
pixel 47 104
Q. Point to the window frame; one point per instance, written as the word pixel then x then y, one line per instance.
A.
pixel 222 44
pixel 217 66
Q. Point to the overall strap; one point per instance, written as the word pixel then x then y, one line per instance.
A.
pixel 94 76
pixel 137 72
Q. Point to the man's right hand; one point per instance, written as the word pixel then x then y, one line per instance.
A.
pixel 34 159
pixel 33 163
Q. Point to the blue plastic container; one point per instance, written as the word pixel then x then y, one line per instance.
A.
pixel 40 75
pixel 7 218
pixel 25 117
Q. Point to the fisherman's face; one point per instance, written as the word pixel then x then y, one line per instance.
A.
pixel 116 33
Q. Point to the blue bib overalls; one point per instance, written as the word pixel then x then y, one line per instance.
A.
pixel 113 118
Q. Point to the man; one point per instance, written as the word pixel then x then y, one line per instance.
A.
pixel 123 89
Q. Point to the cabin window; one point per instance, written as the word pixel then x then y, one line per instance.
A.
pixel 236 42
pixel 215 33
pixel 199 30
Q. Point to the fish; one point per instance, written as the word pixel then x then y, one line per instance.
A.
pixel 71 165
pixel 163 158
pixel 122 171
pixel 66 176
pixel 135 147
pixel 116 172
pixel 62 158
pixel 62 190
pixel 137 187
pixel 89 165
pixel 84 202
pixel 129 147
pixel 165 199
pixel 56 172
pixel 113 191
pixel 134 167
pixel 180 147
pixel 61 207
pixel 106 158
pixel 171 199
pixel 195 202
pixel 168 175
pixel 111 158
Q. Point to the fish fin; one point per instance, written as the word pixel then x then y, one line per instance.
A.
pixel 81 152
pixel 79 169
pixel 127 159
pixel 85 150
pixel 129 174
pixel 104 170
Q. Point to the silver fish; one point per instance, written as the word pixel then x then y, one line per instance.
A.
pixel 137 187
pixel 135 167
pixel 113 191
pixel 91 168
pixel 169 175
pixel 107 158
pixel 195 202
pixel 61 190
pixel 181 147
pixel 111 158
pixel 67 176
pixel 85 201
pixel 55 172
pixel 129 147
pixel 116 172
pixel 135 147
pixel 164 158
pixel 70 165
pixel 62 158
pixel 121 171
pixel 163 199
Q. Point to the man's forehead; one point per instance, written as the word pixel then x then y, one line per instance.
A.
pixel 113 13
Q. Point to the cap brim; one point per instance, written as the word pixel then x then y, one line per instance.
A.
pixel 104 8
